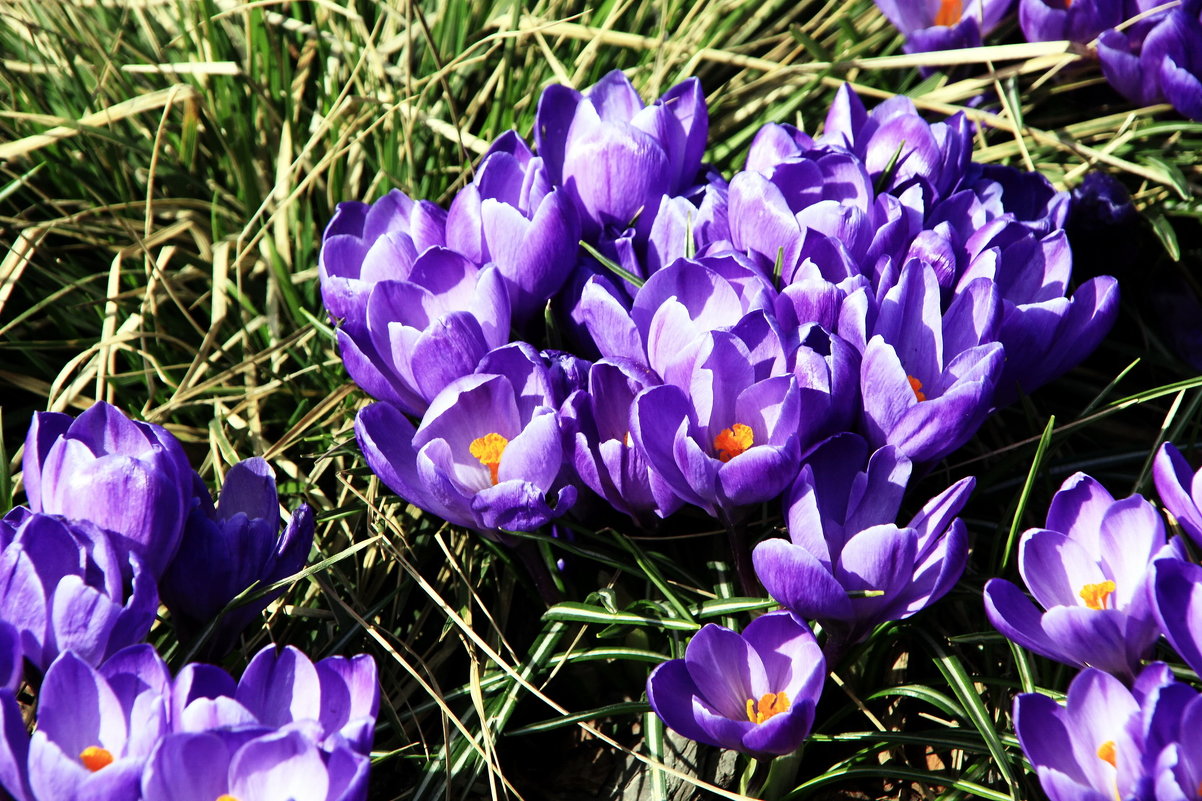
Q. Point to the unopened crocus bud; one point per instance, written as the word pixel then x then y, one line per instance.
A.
pixel 227 549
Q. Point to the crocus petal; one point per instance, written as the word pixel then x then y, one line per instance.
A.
pixel 799 582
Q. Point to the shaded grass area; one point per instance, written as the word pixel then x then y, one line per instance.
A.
pixel 166 169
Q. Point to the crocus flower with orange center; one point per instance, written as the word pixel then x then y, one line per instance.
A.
pixel 1091 571
pixel 753 692
pixel 944 24
pixel 488 453
pixel 1108 741
pixel 729 442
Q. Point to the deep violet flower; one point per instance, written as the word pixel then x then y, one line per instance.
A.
pixel 227 549
pixel 276 765
pixel 673 312
pixel 944 24
pixel 928 378
pixel 848 563
pixel 753 692
pixel 730 440
pixel 413 336
pixel 1157 58
pixel 511 216
pixel 616 157
pixel 1108 741
pixel 64 585
pixel 1090 570
pixel 365 244
pixel 487 455
pixel 129 478
pixel 604 453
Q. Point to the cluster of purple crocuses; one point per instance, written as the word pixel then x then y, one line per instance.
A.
pixel 118 521
pixel 1111 582
pixel 1148 49
pixel 845 310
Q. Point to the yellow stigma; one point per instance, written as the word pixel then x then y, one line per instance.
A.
pixel 226 797
pixel 949 12
pixel 916 385
pixel 769 704
pixel 94 758
pixel 488 450
pixel 1106 752
pixel 1095 595
pixel 732 441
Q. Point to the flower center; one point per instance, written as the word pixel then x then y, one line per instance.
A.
pixel 916 385
pixel 94 758
pixel 949 12
pixel 769 704
pixel 226 797
pixel 1106 752
pixel 488 450
pixel 1095 595
pixel 732 441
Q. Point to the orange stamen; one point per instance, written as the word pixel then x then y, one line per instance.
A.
pixel 949 12
pixel 916 385
pixel 732 441
pixel 1095 595
pixel 488 450
pixel 1106 752
pixel 94 758
pixel 769 704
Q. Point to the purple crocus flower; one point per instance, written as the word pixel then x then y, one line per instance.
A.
pixel 1044 333
pixel 340 697
pixel 1171 53
pixel 334 702
pixel 728 442
pixel 1180 489
pixel 414 336
pixel 847 563
pixel 753 692
pixel 816 205
pixel 1075 20
pixel 944 24
pixel 1090 570
pixel 280 765
pixel 1108 741
pixel 226 550
pixel 129 478
pixel 673 312
pixel 365 244
pixel 615 156
pixel 604 454
pixel 511 216
pixel 487 455
pixel 97 726
pixel 1157 58
pixel 899 148
pixel 927 378
pixel 65 586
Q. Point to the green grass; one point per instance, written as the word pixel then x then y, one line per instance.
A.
pixel 160 229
